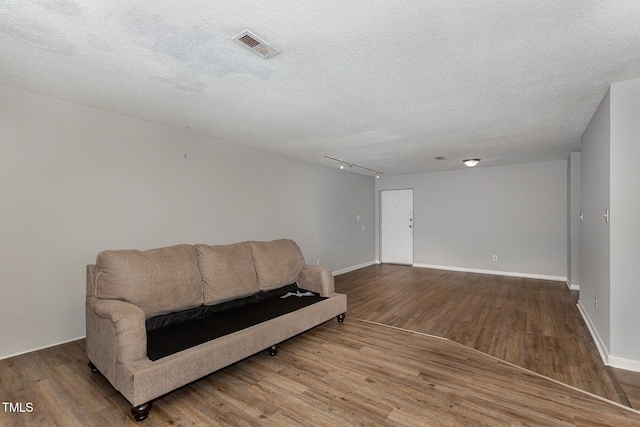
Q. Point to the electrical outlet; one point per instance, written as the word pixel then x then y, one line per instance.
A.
pixel 495 257
pixel 318 261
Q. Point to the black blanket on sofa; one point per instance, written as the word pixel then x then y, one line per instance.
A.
pixel 169 334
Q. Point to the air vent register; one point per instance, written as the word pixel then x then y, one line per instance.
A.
pixel 255 44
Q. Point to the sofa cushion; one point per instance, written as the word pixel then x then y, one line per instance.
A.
pixel 277 262
pixel 158 280
pixel 227 272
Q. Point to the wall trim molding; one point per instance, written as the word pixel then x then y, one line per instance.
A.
pixel 572 287
pixel 493 272
pixel 626 364
pixel 607 358
pixel 602 348
pixel 352 268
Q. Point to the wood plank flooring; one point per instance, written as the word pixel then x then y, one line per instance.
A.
pixel 351 374
pixel 531 323
pixel 630 383
pixel 366 374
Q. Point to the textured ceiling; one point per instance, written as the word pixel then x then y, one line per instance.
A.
pixel 387 85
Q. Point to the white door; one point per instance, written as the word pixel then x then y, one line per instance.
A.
pixel 396 226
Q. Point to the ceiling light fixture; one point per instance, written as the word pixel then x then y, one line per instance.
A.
pixel 353 165
pixel 471 162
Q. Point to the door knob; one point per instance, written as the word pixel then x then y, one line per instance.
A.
pixel 411 226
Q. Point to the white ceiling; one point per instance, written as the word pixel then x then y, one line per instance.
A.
pixel 388 85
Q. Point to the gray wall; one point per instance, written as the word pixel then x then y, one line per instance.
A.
pixel 609 253
pixel 625 224
pixel 75 181
pixel 464 217
pixel 573 221
pixel 594 232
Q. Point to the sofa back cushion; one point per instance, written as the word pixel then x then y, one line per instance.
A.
pixel 158 280
pixel 227 272
pixel 278 262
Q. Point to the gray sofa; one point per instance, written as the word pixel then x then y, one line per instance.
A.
pixel 128 289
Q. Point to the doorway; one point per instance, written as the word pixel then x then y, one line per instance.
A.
pixel 396 226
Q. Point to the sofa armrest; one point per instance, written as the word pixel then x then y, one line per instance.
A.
pixel 317 278
pixel 117 328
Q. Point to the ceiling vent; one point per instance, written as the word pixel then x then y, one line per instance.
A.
pixel 255 44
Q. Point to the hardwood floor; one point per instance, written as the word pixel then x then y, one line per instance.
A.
pixel 531 323
pixel 351 374
pixel 630 383
pixel 369 374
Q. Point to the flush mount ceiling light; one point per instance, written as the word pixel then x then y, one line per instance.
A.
pixel 471 162
pixel 341 164
pixel 255 44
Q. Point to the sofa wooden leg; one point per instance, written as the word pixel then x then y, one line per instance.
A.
pixel 141 412
pixel 93 367
pixel 273 350
pixel 341 317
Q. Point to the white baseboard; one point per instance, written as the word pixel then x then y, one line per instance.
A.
pixel 626 364
pixel 607 359
pixel 352 268
pixel 571 286
pixel 602 348
pixel 494 272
